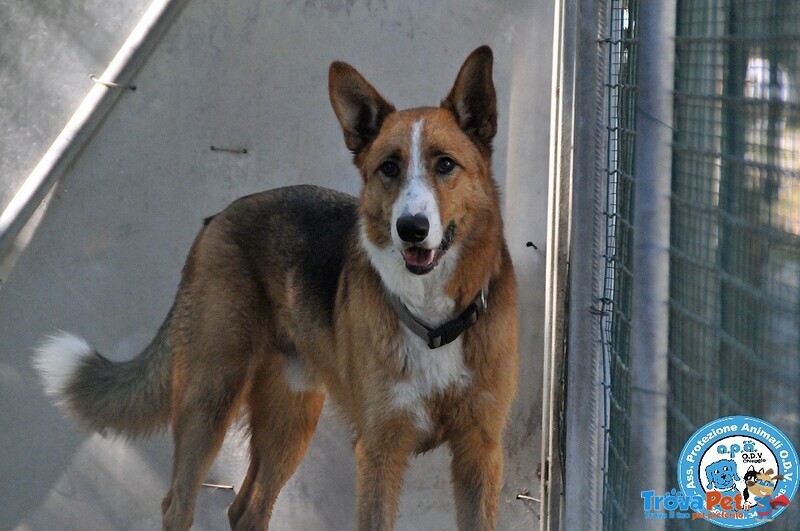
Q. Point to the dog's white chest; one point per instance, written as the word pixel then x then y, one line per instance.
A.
pixel 430 371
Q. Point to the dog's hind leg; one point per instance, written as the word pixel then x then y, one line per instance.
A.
pixel 212 353
pixel 282 422
pixel 199 425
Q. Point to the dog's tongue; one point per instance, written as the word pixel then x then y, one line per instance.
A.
pixel 417 256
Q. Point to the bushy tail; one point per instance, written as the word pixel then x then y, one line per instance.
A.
pixel 130 398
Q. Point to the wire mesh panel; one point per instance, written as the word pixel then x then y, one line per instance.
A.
pixel 616 300
pixel 735 230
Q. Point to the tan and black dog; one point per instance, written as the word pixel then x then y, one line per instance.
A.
pixel 399 304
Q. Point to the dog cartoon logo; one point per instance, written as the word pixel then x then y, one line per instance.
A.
pixel 761 485
pixel 722 476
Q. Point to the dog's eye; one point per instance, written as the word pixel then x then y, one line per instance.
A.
pixel 390 169
pixel 445 165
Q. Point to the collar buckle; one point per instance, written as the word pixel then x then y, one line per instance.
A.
pixel 447 332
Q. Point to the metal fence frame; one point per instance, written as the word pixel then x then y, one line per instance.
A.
pixel 573 372
pixel 630 410
pixel 621 47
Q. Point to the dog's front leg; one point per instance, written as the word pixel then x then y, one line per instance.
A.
pixel 477 471
pixel 382 455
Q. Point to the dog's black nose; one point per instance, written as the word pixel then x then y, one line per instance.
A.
pixel 413 229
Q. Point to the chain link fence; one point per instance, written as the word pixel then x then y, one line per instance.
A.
pixel 616 298
pixel 735 232
pixel 734 330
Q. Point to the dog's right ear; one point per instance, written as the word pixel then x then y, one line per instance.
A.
pixel 358 106
pixel 473 100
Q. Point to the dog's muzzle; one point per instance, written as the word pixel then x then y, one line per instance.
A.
pixel 420 260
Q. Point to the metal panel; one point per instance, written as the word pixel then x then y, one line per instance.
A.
pixel 107 255
pixel 49 49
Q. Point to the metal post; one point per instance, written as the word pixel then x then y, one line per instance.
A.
pixel 583 484
pixel 561 112
pixel 649 339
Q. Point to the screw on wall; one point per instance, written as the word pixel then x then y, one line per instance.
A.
pixel 238 151
pixel 110 84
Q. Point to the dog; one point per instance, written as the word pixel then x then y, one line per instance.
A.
pixel 399 304
pixel 761 485
pixel 722 476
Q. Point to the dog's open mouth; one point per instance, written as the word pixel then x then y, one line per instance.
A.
pixel 420 260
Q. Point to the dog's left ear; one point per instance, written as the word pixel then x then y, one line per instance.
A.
pixel 472 98
pixel 358 106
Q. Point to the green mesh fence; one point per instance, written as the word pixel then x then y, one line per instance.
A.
pixel 735 231
pixel 616 299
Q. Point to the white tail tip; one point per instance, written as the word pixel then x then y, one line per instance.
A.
pixel 57 358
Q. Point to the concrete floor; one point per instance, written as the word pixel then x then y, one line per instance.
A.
pixel 106 257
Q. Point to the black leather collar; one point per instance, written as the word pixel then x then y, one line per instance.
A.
pixel 446 333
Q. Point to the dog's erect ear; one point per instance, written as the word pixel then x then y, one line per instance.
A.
pixel 472 98
pixel 358 106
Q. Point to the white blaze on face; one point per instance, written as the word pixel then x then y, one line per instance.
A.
pixel 417 195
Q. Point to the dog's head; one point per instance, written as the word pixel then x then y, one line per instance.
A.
pixel 427 181
pixel 722 475
pixel 761 483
